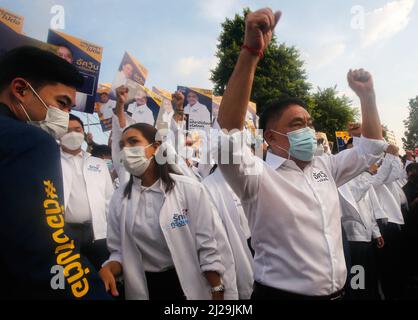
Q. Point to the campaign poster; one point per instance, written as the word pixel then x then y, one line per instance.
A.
pixel 11 20
pixel 144 106
pixel 87 58
pixel 166 110
pixel 197 107
pixel 10 39
pixel 216 103
pixel 342 139
pixel 105 106
pixel 130 73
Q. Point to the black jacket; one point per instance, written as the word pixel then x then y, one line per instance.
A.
pixel 32 239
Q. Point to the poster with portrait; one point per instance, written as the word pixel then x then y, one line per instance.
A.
pixel 86 57
pixel 11 20
pixel 166 110
pixel 104 106
pixel 10 39
pixel 130 73
pixel 342 139
pixel 216 103
pixel 197 107
pixel 144 105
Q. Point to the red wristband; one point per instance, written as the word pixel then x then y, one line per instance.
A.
pixel 253 51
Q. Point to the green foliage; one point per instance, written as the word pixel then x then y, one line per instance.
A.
pixel 410 141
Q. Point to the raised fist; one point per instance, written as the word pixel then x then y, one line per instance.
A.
pixel 361 82
pixel 122 95
pixel 259 26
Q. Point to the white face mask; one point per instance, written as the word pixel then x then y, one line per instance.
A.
pixel 134 160
pixel 56 120
pixel 72 140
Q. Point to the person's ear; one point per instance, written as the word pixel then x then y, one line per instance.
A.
pixel 20 89
pixel 268 136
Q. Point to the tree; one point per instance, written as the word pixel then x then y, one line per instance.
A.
pixel 330 112
pixel 279 74
pixel 411 124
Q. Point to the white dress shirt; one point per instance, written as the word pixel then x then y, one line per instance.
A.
pixel 147 232
pixel 295 215
pixel 78 207
pixel 107 109
pixel 199 116
pixel 167 116
pixel 141 114
pixel 360 209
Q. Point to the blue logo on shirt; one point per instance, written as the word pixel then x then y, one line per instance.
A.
pixel 179 220
pixel 95 168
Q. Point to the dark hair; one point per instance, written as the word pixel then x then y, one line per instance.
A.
pixel 39 67
pixel 412 168
pixel 75 118
pixel 275 109
pixel 164 170
pixel 101 150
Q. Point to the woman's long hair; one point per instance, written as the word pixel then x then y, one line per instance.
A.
pixel 164 170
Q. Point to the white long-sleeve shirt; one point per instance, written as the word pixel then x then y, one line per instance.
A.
pixel 295 215
pixel 360 207
pixel 141 114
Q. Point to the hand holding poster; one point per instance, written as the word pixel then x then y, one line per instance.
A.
pixel 86 57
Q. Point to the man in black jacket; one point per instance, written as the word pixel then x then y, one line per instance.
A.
pixel 38 260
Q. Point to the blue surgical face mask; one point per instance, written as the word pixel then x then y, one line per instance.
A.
pixel 302 143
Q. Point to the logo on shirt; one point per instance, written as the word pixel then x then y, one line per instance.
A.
pixel 94 168
pixel 320 176
pixel 179 220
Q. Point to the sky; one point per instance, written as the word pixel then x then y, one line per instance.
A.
pixel 176 40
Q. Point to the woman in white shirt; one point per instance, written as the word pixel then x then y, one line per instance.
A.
pixel 163 236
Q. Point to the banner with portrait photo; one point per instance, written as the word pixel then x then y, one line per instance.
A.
pixel 104 106
pixel 87 58
pixel 342 139
pixel 130 73
pixel 144 105
pixel 197 107
pixel 10 40
pixel 166 110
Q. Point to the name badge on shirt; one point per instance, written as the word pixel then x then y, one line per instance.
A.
pixel 95 168
pixel 320 176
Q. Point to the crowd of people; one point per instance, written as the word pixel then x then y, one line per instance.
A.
pixel 141 218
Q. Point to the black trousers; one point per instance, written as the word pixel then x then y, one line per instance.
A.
pixel 363 254
pixel 391 261
pixel 164 285
pixel 262 292
pixel 95 251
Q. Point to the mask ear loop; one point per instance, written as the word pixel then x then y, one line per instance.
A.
pixel 37 95
pixel 277 146
pixel 24 110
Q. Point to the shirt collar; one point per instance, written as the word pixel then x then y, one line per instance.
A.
pixel 141 108
pixel 156 187
pixel 274 161
pixel 70 156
